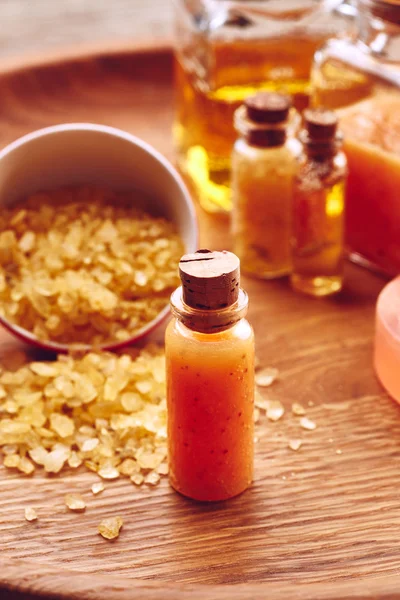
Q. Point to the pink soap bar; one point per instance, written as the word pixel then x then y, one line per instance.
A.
pixel 387 338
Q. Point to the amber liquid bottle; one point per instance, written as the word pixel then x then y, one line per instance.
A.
pixel 318 207
pixel 209 349
pixel 264 162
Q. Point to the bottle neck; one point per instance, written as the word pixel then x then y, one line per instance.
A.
pixel 261 135
pixel 265 139
pixel 379 29
pixel 321 150
pixel 208 321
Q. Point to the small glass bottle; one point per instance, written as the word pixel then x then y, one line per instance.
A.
pixel 209 348
pixel 264 162
pixel 360 75
pixel 318 207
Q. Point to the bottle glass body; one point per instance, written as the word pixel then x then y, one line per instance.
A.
pixel 210 397
pixel 262 190
pixel 360 75
pixel 318 225
pixel 227 51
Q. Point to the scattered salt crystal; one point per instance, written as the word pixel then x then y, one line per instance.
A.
pixel 338 451
pixel 152 478
pixel 75 502
pixel 97 488
pixel 260 401
pixel 275 411
pixel 162 469
pixel 30 514
pixel 306 423
pixel 295 445
pixel 137 479
pixel 38 455
pixel 26 466
pixel 128 467
pixel 108 472
pixel 74 460
pixel 11 461
pixel 298 409
pixel 266 377
pixel 256 415
pixel 110 528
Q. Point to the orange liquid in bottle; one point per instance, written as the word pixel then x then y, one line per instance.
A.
pixel 210 379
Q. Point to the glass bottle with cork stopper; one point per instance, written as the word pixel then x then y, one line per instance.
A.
pixel 209 348
pixel 264 162
pixel 318 207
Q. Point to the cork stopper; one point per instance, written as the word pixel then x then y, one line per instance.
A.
pixel 266 107
pixel 320 124
pixel 210 280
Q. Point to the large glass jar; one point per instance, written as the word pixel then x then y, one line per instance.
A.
pixel 227 50
pixel 360 77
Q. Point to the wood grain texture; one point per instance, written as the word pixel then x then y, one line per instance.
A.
pixel 46 26
pixel 316 524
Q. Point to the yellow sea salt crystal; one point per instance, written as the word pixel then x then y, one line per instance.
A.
pixel 75 502
pixel 108 472
pixel 74 461
pixel 148 460
pixel 298 409
pixel 97 488
pixel 43 369
pixel 295 445
pixel 109 528
pixel 266 377
pixel 128 467
pixel 260 401
pixel 57 458
pixel 306 423
pixel 62 425
pixel 144 387
pixel 162 469
pixel 11 461
pixel 30 514
pixel 90 444
pixel 38 455
pixel 26 466
pixel 275 410
pixel 131 401
pixel 137 478
pixel 152 478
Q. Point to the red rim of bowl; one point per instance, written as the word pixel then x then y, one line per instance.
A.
pixel 27 336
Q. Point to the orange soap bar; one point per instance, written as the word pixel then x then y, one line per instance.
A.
pixel 210 379
pixel 372 146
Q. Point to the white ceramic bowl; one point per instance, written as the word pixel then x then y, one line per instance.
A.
pixel 85 153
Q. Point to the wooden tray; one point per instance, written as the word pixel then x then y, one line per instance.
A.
pixel 320 523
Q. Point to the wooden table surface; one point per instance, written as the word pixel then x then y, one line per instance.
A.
pixel 318 524
pixel 44 26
